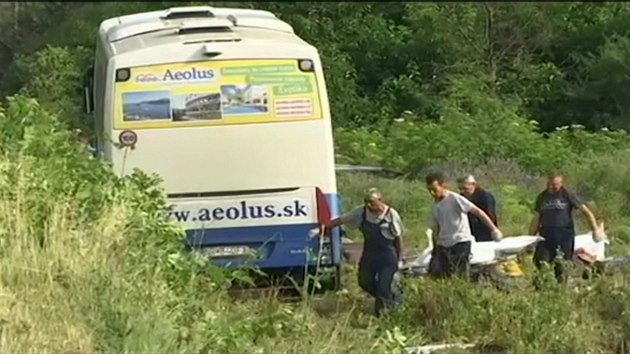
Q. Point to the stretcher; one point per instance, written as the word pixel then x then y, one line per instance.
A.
pixel 504 253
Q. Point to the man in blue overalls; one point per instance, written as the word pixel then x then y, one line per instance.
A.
pixel 382 231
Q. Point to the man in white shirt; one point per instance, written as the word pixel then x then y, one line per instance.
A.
pixel 452 237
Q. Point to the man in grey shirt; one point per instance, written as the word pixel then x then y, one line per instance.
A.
pixel 452 237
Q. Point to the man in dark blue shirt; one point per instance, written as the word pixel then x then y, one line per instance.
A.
pixel 484 200
pixel 554 222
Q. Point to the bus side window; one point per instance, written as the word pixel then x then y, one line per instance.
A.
pixel 88 90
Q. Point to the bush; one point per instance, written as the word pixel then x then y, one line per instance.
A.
pixel 474 127
pixel 583 317
pixel 54 76
pixel 94 245
pixel 88 263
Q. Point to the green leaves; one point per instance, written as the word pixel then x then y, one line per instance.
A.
pixel 564 62
pixel 53 75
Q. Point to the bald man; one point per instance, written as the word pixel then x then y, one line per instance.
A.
pixel 553 220
pixel 382 231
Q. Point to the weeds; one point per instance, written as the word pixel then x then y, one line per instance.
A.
pixel 89 264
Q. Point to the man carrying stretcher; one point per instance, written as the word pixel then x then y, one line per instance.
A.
pixel 452 237
pixel 553 220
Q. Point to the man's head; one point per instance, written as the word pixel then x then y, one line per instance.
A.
pixel 555 181
pixel 467 184
pixel 436 184
pixel 374 201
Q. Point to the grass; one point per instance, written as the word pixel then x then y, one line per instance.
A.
pixel 87 264
pixel 86 291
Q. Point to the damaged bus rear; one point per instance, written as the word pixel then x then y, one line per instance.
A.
pixel 229 107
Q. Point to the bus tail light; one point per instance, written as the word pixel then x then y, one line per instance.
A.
pixel 323 209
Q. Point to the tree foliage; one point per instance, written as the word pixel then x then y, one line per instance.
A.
pixel 471 81
pixel 502 90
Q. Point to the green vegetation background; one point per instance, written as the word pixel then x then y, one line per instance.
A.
pixel 505 91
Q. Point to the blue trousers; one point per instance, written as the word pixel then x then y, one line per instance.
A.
pixel 376 278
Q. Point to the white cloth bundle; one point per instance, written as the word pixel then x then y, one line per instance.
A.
pixel 490 252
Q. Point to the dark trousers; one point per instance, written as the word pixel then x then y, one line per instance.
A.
pixel 556 239
pixel 376 279
pixel 449 261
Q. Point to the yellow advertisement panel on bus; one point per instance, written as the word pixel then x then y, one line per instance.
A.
pixel 216 93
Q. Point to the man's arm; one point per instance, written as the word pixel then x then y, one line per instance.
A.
pixel 398 231
pixel 435 233
pixel 351 219
pixel 576 202
pixel 589 216
pixel 534 225
pixel 334 223
pixel 468 207
pixel 484 218
pixel 491 208
pixel 398 245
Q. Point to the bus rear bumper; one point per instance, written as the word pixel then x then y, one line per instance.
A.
pixel 266 247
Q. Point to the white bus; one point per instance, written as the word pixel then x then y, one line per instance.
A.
pixel 230 108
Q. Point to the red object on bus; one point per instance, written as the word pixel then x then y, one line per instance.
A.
pixel 323 209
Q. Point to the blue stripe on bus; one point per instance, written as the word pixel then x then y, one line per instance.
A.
pixel 278 246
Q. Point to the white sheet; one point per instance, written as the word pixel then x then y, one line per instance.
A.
pixel 491 252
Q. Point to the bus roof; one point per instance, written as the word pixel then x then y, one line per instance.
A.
pixel 199 24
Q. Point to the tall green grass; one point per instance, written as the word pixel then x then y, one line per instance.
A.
pixel 88 264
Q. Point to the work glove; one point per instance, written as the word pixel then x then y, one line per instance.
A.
pixel 598 236
pixel 497 235
pixel 314 232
